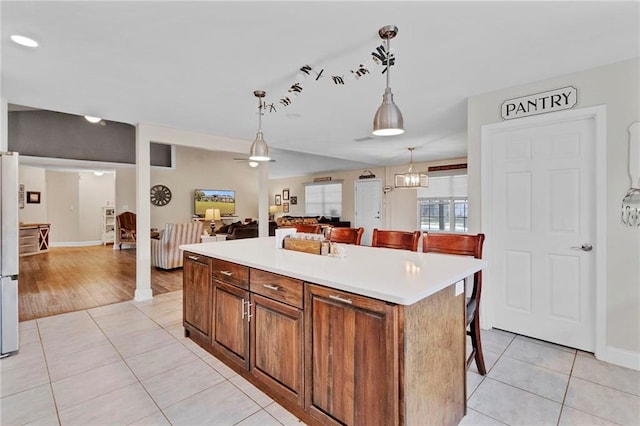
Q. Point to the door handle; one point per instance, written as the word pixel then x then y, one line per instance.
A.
pixel 584 247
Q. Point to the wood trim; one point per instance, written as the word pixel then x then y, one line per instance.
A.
pixel 447 167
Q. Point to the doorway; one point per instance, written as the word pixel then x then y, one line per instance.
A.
pixel 368 205
pixel 543 200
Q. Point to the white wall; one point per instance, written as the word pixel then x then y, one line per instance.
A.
pixel 74 205
pixel 399 207
pixel 616 86
pixel 94 193
pixel 201 169
pixel 296 188
pixel 33 179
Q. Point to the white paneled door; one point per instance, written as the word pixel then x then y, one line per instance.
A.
pixel 543 228
pixel 368 205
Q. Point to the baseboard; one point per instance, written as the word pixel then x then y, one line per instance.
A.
pixel 76 243
pixel 621 357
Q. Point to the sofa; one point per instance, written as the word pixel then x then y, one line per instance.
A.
pixel 239 230
pixel 165 250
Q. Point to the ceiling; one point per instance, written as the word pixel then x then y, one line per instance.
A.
pixel 195 65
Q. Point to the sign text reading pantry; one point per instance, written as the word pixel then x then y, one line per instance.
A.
pixel 553 100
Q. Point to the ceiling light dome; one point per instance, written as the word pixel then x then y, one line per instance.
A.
pixel 24 41
pixel 91 119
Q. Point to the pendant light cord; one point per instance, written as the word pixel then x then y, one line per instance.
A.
pixel 388 60
pixel 260 115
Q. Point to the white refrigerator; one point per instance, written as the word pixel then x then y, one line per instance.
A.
pixel 9 253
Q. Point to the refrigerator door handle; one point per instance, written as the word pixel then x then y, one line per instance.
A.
pixel 9 320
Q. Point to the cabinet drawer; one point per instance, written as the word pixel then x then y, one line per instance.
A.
pixel 277 287
pixel 231 273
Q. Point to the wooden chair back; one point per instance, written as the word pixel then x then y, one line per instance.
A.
pixel 460 244
pixel 307 228
pixel 126 228
pixel 402 240
pixel 346 235
pixel 465 245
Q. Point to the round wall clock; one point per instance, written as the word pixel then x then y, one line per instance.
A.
pixel 160 195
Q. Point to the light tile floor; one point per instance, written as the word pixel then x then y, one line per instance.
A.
pixel 129 364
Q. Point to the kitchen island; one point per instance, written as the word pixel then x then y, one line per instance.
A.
pixel 376 337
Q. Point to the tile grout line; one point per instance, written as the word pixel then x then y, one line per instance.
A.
pixel 46 363
pixel 566 389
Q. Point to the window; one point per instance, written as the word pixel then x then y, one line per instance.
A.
pixel 443 206
pixel 323 199
pixel 438 214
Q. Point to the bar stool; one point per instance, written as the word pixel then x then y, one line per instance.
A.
pixel 346 235
pixel 466 245
pixel 402 240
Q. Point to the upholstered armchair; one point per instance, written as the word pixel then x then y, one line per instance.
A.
pixel 125 229
pixel 165 251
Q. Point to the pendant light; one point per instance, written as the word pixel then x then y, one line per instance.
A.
pixel 388 119
pixel 411 179
pixel 259 149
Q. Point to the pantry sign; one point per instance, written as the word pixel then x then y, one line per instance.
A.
pixel 553 100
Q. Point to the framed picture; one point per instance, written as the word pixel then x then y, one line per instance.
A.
pixel 285 194
pixel 33 197
pixel 278 200
pixel 294 200
pixel 285 207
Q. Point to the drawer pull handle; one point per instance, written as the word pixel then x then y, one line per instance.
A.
pixel 227 273
pixel 340 299
pixel 271 287
pixel 196 258
pixel 249 305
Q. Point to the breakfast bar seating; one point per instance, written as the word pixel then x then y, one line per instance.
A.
pixel 465 245
pixel 402 240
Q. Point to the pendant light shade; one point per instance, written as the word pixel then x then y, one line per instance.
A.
pixel 388 119
pixel 411 179
pixel 259 150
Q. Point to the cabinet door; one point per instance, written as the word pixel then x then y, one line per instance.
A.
pixel 276 347
pixel 231 323
pixel 352 365
pixel 196 285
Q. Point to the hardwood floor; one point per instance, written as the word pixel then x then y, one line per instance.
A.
pixel 67 279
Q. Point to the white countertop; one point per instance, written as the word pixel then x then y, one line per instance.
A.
pixel 397 276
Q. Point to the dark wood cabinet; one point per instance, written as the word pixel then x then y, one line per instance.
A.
pixel 277 347
pixel 231 323
pixel 329 356
pixel 352 358
pixel 197 296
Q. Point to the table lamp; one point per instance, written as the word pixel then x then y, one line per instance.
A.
pixel 212 215
pixel 272 211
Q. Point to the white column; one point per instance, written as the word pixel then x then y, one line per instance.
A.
pixel 143 215
pixel 263 199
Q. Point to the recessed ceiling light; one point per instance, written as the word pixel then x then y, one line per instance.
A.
pixel 91 119
pixel 24 41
